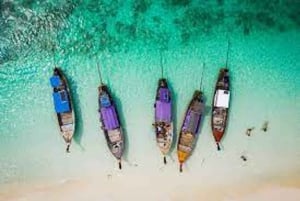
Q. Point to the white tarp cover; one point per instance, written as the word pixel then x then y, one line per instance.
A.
pixel 222 98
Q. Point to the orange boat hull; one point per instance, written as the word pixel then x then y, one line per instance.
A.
pixel 182 156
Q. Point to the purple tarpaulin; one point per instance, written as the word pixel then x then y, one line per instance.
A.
pixel 163 111
pixel 191 122
pixel 110 118
pixel 164 94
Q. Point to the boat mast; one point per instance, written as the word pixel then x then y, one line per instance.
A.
pixel 54 42
pixel 228 47
pixel 53 55
pixel 99 72
pixel 161 65
pixel 202 75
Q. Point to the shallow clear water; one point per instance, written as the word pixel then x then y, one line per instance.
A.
pixel 127 38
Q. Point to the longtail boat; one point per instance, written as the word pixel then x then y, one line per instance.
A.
pixel 163 118
pixel 63 106
pixel 110 121
pixel 220 106
pixel 190 127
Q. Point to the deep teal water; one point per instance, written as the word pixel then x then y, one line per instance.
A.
pixel 127 38
pixel 115 25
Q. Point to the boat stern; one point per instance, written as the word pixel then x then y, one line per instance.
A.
pixel 115 142
pixel 117 150
pixel 182 156
pixel 67 136
pixel 165 144
pixel 218 135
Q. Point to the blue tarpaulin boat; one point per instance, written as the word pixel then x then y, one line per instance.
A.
pixel 63 106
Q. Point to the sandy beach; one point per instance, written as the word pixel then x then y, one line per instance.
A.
pixel 159 188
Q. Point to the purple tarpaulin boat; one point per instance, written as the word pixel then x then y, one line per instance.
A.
pixel 163 118
pixel 110 123
pixel 190 127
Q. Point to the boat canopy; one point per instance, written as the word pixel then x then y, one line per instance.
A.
pixel 191 122
pixel 222 98
pixel 55 81
pixel 109 117
pixel 104 101
pixel 164 95
pixel 61 101
pixel 163 112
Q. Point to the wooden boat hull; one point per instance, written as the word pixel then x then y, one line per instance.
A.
pixel 164 142
pixel 114 139
pixel 163 118
pixel 190 128
pixel 185 146
pixel 67 132
pixel 65 118
pixel 220 106
pixel 111 124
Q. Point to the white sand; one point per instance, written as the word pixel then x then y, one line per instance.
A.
pixel 182 187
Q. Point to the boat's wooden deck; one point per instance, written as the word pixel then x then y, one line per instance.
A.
pixel 219 119
pixel 186 142
pixel 114 135
pixel 66 118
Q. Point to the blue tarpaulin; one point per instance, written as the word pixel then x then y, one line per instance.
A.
pixel 104 101
pixel 61 101
pixel 55 81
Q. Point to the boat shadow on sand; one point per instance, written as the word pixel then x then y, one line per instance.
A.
pixel 78 113
pixel 174 115
pixel 120 110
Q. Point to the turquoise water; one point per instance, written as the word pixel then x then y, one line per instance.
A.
pixel 127 38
